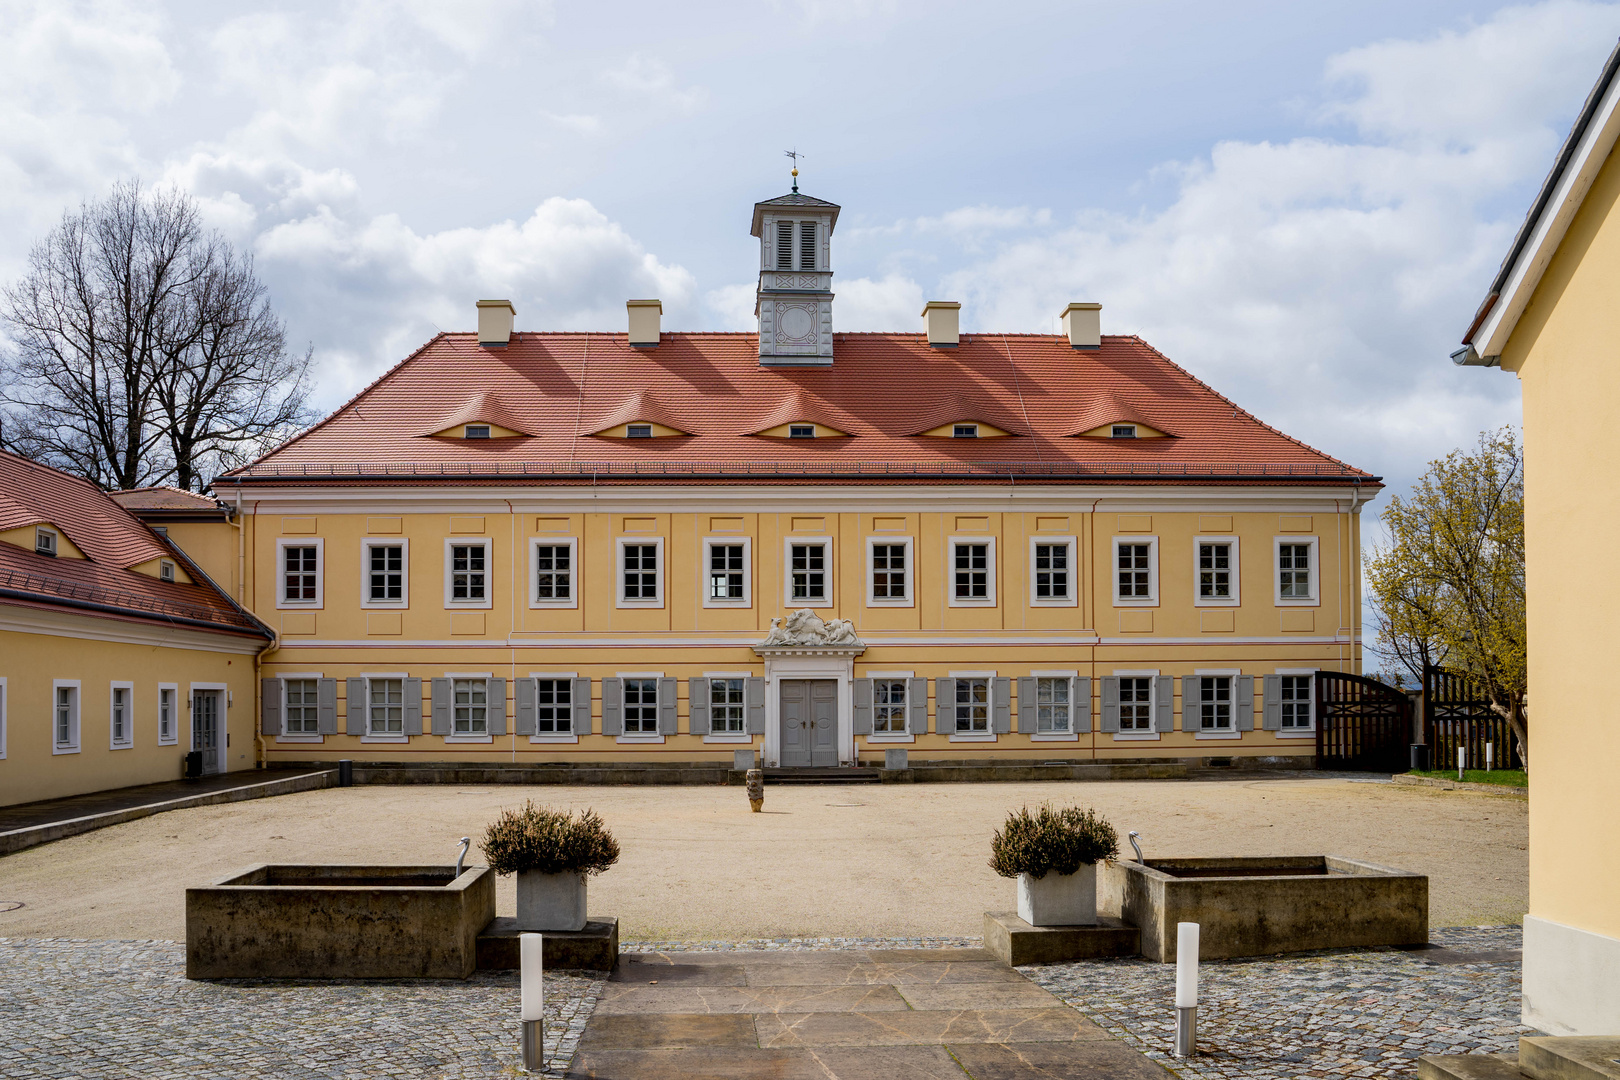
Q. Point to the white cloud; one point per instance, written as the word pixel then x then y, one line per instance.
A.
pixel 892 302
pixel 651 80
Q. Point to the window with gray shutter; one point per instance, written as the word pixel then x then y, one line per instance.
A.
pixel 1110 704
pixel 944 706
pixel 754 687
pixel 355 708
pixel 1026 705
pixel 413 706
pixel 697 709
pixel 1245 702
pixel 581 691
pixel 917 702
pixel 270 705
pixel 1080 700
pixel 326 705
pixel 862 695
pixel 439 711
pixel 1189 703
pixel 1271 703
pixel 496 694
pixel 667 719
pixel 1001 704
pixel 523 720
pixel 1164 704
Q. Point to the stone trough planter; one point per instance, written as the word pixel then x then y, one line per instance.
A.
pixel 277 921
pixel 550 901
pixel 1260 906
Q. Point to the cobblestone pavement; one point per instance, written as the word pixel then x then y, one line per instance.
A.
pixel 125 1009
pixel 1344 1013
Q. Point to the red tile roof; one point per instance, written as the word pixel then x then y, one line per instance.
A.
pixel 882 389
pixel 113 541
pixel 162 497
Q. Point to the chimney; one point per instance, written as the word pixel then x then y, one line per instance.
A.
pixel 1083 324
pixel 644 319
pixel 943 320
pixel 495 323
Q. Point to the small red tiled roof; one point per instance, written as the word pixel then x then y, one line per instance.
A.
pixel 482 408
pixel 113 541
pixel 882 389
pixel 162 497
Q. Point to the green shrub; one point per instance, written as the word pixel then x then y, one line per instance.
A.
pixel 550 841
pixel 1051 841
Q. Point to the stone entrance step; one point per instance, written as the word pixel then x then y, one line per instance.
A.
pixel 1016 942
pixel 1540 1057
pixel 835 775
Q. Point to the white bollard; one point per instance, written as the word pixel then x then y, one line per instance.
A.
pixel 1487 757
pixel 1462 760
pixel 1186 989
pixel 532 1010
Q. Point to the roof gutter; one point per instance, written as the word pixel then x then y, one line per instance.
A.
pixel 35 600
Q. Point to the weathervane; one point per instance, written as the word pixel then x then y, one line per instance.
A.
pixel 795 155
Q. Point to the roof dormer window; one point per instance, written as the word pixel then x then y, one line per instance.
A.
pixel 801 431
pixel 638 431
pixel 965 431
pixel 45 542
pixel 477 431
pixel 1123 431
pixel 807 245
pixel 784 245
pixel 166 571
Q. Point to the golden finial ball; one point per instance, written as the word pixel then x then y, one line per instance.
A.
pixel 795 172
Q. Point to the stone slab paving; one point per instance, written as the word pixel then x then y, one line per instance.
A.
pixel 86 1009
pixel 1366 1013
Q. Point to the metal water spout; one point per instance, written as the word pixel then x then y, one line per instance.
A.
pixel 1131 836
pixel 466 842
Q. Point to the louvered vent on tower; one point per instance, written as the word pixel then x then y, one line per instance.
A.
pixel 807 245
pixel 784 245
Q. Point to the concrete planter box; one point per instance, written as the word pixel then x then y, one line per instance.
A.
pixel 1260 906
pixel 339 922
pixel 550 901
pixel 1059 899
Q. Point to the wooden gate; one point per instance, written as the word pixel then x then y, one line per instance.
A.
pixel 1361 724
pixel 1456 713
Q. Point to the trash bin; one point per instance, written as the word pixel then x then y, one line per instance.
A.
pixel 194 765
pixel 1420 757
pixel 345 773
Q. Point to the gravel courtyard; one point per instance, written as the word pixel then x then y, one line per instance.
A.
pixel 887 861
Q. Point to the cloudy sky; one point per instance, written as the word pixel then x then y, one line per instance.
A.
pixel 1301 203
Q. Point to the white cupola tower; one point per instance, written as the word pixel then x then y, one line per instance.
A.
pixel 794 302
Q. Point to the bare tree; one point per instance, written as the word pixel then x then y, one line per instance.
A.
pixel 143 349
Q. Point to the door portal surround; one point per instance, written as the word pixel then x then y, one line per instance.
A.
pixel 807 647
pixel 223 697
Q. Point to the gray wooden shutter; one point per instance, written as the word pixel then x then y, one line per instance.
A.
pixel 863 694
pixel 1001 705
pixel 1080 705
pixel 917 706
pixel 1027 717
pixel 411 691
pixel 1110 705
pixel 326 705
pixel 526 694
pixel 1190 712
pixel 1245 702
pixel 495 694
pixel 613 707
pixel 1164 704
pixel 754 695
pixel 666 707
pixel 697 706
pixel 439 722
pixel 580 694
pixel 270 705
pixel 944 706
pixel 355 708
pixel 1271 717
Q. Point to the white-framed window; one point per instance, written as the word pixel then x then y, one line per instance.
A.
pixel 1136 703
pixel 554 705
pixel 964 431
pixel 889 705
pixel 1215 571
pixel 808 581
pixel 1297 702
pixel 1052 580
pixel 299 565
pixel 641 572
pixel 1136 571
pixel 640 706
pixel 165 570
pixel 477 431
pixel 65 716
pixel 1216 706
pixel 121 715
pixel 638 431
pixel 385 578
pixel 45 541
pixel 1054 711
pixel 727 571
pixel 553 572
pixel 971 710
pixel 385 706
pixel 468 573
pixel 1122 431
pixel 1297 571
pixel 972 572
pixel 168 704
pixel 889 571
pixel 300 706
pixel 801 431
pixel 726 706
pixel 2 718
pixel 469 706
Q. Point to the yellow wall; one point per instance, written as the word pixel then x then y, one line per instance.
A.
pixel 212 545
pixel 1563 352
pixel 31 662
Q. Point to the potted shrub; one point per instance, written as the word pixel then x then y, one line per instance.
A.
pixel 552 852
pixel 1054 854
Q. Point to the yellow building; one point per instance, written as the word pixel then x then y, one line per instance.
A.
pixel 1551 319
pixel 817 547
pixel 117 656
